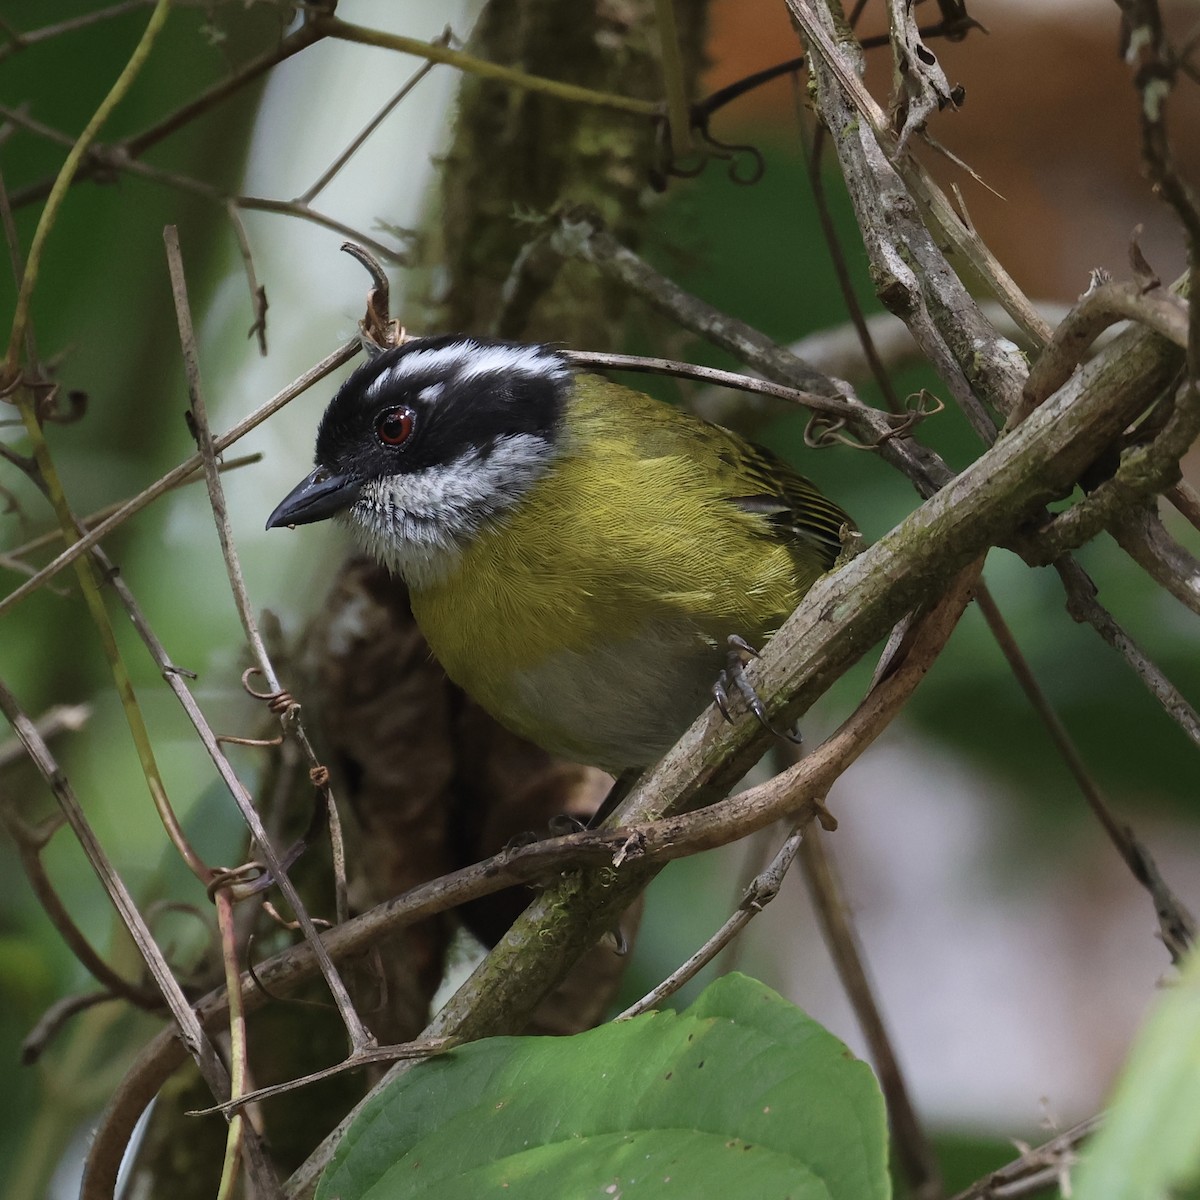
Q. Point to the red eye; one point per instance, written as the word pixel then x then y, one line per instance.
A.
pixel 394 426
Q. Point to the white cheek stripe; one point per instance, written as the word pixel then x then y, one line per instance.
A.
pixel 416 522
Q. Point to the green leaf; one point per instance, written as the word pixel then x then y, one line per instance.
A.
pixel 739 1095
pixel 1149 1148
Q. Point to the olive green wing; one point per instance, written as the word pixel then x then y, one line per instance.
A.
pixel 753 479
pixel 797 511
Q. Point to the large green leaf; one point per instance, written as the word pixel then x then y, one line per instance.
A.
pixel 1149 1148
pixel 740 1095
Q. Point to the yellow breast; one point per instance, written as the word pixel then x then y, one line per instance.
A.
pixel 628 549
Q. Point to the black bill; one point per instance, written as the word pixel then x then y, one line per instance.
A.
pixel 316 498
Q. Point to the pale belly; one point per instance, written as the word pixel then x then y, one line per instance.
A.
pixel 621 707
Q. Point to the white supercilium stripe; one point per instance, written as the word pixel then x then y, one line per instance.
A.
pixel 526 360
pixel 468 360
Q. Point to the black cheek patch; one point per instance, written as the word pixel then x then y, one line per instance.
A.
pixel 466 413
pixel 477 413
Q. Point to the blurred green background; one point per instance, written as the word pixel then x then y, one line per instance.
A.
pixel 1012 954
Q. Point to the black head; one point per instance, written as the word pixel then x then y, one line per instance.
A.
pixel 436 410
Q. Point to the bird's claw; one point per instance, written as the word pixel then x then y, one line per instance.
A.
pixel 738 646
pixel 734 673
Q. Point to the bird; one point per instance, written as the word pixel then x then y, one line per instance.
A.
pixel 590 564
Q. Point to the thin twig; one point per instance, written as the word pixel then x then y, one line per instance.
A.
pixel 364 1057
pixel 1143 472
pixel 762 889
pixel 189 1031
pixel 17 261
pixel 679 118
pixel 175 679
pixel 758 849
pixel 1141 534
pixel 837 406
pixel 328 175
pixel 838 352
pixel 30 841
pixel 1150 51
pixel 1176 924
pixel 66 175
pixel 258 293
pixel 238 1049
pixel 293 208
pixel 331 26
pixel 359 1036
pixel 21 119
pixel 34 1043
pixel 841 271
pixel 583 238
pixel 59 719
pixel 1037 1168
pixel 913 1149
pixel 179 474
pixel 1186 500
pixel 93 519
pixel 23 39
pixel 1083 607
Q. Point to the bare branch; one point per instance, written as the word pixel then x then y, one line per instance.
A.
pixel 848 410
pixel 1140 533
pixel 1176 924
pixel 1101 306
pixel 1144 471
pixel 913 1149
pixel 190 1031
pixel 359 1035
pixel 583 239
pixel 30 843
pixel 762 889
pixel 331 26
pixel 34 1043
pixel 1186 500
pixel 865 341
pixel 61 718
pixel 1038 1168
pixel 1083 607
pixel 179 474
pixel 23 39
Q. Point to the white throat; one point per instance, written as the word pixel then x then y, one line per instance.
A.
pixel 417 524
